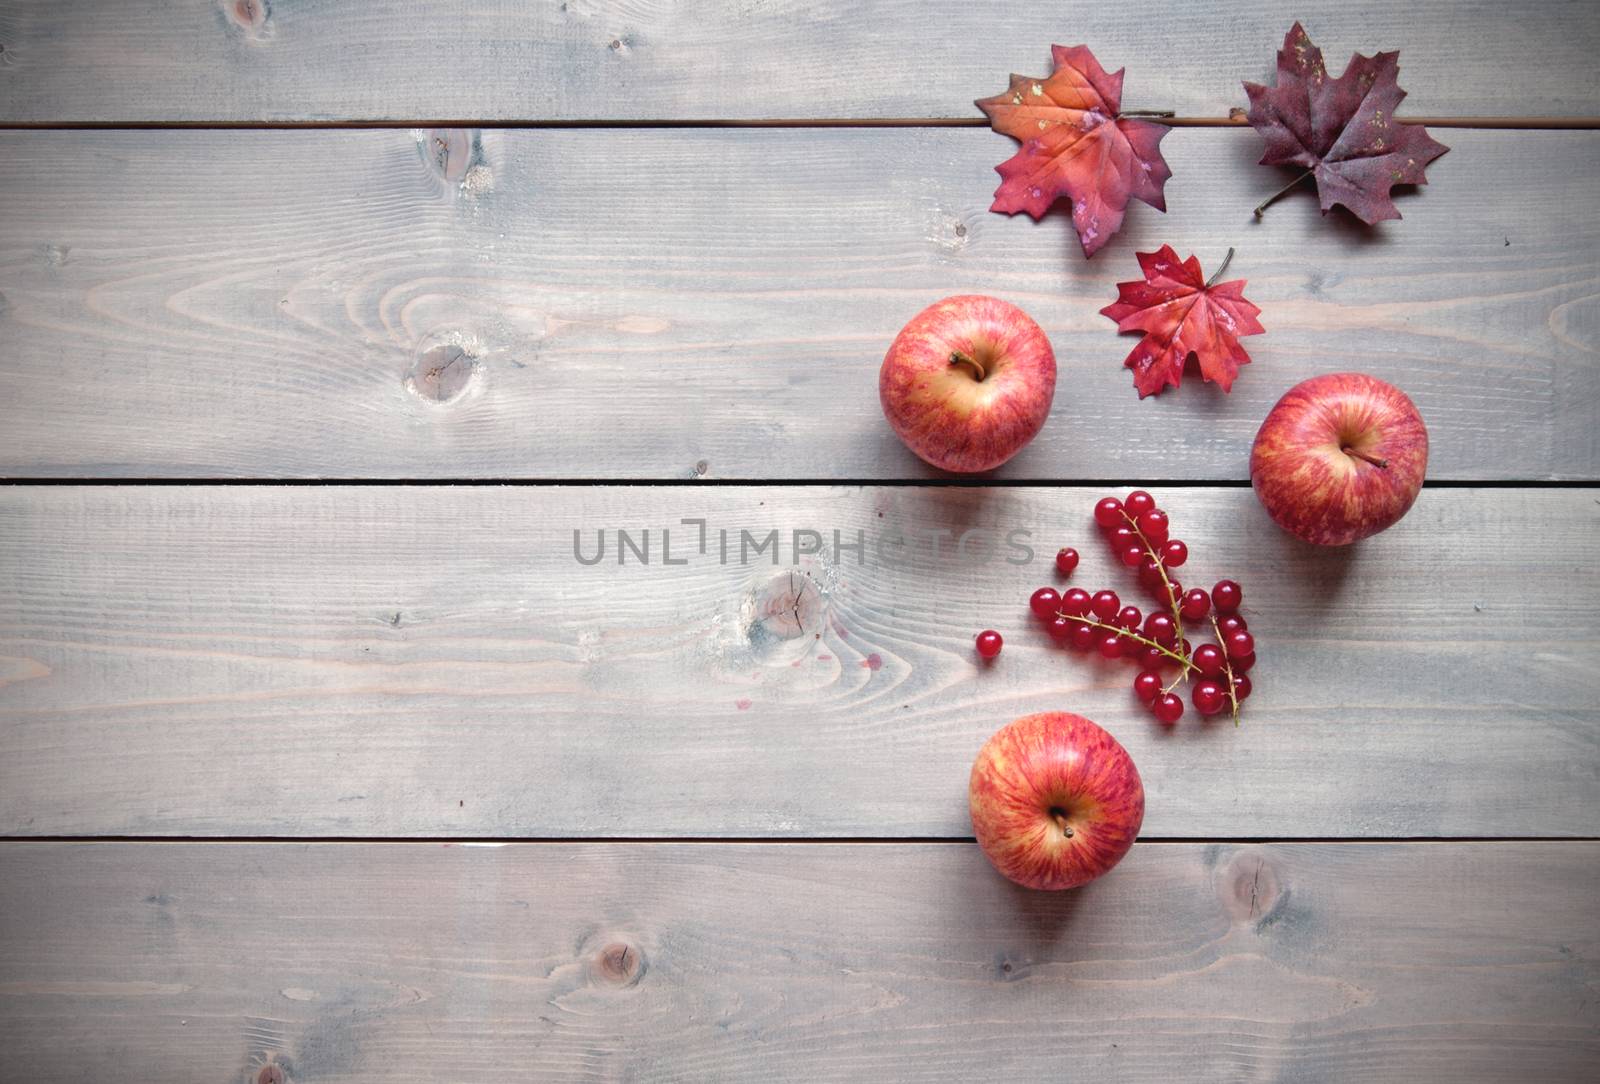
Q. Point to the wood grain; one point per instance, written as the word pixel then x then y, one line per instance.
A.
pixel 255 60
pixel 653 304
pixel 420 661
pixel 806 962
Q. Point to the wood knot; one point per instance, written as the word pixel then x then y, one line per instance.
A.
pixel 789 606
pixel 250 16
pixel 1008 969
pixel 449 152
pixel 442 373
pixel 1249 886
pixel 271 1074
pixel 617 964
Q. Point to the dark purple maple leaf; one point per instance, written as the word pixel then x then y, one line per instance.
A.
pixel 1341 131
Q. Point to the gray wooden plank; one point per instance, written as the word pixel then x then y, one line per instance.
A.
pixel 426 661
pixel 806 962
pixel 252 60
pixel 670 304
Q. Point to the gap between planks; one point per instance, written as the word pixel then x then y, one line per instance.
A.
pixel 779 841
pixel 1513 123
pixel 779 483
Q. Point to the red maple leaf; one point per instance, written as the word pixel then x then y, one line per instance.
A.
pixel 1076 144
pixel 1341 131
pixel 1182 314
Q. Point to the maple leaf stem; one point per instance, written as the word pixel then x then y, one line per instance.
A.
pixel 1217 274
pixel 1147 113
pixel 958 357
pixel 1381 464
pixel 1280 193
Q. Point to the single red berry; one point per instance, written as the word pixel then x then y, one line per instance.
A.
pixel 1105 604
pixel 1059 628
pixel 1186 649
pixel 1066 560
pixel 1122 537
pixel 1150 576
pixel 1239 644
pixel 1196 604
pixel 989 643
pixel 1083 635
pixel 1160 628
pixel 1153 657
pixel 1138 503
pixel 1045 602
pixel 1108 513
pixel 1129 617
pixel 1133 556
pixel 1231 623
pixel 1075 602
pixel 1243 663
pixel 1208 697
pixel 1170 594
pixel 1153 525
pixel 1147 685
pixel 1208 659
pixel 1226 596
pixel 1168 708
pixel 1174 553
pixel 1241 686
pixel 1110 645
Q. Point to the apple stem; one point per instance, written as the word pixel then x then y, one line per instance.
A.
pixel 1061 822
pixel 1280 193
pixel 1226 260
pixel 958 357
pixel 1381 464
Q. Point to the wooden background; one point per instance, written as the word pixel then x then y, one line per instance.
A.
pixel 323 328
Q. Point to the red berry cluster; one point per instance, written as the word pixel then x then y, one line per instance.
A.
pixel 1138 533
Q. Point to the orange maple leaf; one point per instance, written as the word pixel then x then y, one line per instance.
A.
pixel 1077 145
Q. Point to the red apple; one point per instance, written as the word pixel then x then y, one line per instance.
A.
pixel 1055 800
pixel 1340 457
pixel 968 382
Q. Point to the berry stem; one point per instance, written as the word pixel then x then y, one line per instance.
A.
pixel 1381 464
pixel 961 357
pixel 1217 274
pixel 1134 636
pixel 1166 584
pixel 1280 193
pixel 1227 666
